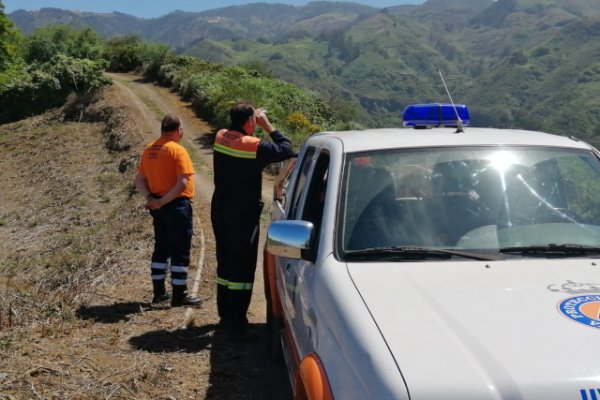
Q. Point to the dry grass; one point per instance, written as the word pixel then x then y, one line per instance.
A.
pixel 68 224
pixel 64 204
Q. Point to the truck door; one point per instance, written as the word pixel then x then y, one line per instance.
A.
pixel 301 276
pixel 285 267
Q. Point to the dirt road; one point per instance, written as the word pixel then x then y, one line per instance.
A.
pixel 233 371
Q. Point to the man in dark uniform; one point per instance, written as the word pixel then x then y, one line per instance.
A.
pixel 239 159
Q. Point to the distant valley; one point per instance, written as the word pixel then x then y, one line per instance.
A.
pixel 517 63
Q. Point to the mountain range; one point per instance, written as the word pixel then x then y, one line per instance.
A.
pixel 179 28
pixel 518 63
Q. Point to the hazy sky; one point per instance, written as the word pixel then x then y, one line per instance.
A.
pixel 156 8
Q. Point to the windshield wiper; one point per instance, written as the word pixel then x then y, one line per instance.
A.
pixel 413 253
pixel 552 249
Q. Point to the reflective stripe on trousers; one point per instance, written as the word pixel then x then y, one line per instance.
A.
pixel 235 285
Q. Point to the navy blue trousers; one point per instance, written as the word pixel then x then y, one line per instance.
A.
pixel 173 230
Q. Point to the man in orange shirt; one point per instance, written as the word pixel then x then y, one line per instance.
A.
pixel 166 179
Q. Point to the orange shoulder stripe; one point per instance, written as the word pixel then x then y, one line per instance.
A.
pixel 236 144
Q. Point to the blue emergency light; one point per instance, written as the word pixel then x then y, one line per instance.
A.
pixel 436 114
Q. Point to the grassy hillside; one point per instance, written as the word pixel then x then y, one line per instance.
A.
pixel 553 86
pixel 525 63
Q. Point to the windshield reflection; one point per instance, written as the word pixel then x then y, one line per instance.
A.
pixel 481 199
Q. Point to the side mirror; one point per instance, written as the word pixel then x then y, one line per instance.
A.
pixel 290 239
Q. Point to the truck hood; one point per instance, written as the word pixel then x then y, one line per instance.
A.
pixel 525 329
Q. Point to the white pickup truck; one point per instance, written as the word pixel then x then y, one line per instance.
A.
pixel 438 263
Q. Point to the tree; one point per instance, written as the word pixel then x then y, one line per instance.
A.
pixel 122 53
pixel 153 56
pixel 9 37
pixel 49 41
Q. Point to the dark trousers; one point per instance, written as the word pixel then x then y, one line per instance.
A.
pixel 236 235
pixel 173 230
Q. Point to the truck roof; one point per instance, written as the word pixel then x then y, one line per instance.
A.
pixel 377 139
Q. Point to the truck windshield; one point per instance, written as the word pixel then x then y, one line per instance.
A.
pixel 482 199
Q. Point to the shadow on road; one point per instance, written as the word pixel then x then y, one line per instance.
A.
pixel 205 141
pixel 110 314
pixel 238 370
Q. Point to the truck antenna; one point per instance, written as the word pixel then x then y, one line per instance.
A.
pixel 459 124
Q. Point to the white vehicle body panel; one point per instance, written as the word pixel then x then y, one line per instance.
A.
pixel 483 331
pixel 342 332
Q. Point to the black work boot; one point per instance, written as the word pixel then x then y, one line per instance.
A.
pixel 241 333
pixel 160 294
pixel 180 298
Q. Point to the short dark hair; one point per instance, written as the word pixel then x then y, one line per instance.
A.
pixel 240 113
pixel 169 123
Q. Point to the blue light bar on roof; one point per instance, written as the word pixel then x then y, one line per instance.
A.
pixel 435 114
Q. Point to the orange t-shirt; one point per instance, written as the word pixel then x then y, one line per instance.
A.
pixel 162 161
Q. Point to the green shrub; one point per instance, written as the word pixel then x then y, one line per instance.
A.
pixel 48 41
pixel 27 93
pixel 153 56
pixel 30 91
pixel 212 92
pixel 122 53
pixel 81 76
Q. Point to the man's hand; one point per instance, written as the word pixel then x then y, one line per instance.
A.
pixel 263 121
pixel 153 204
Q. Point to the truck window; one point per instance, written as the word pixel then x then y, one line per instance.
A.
pixel 305 165
pixel 282 182
pixel 315 198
